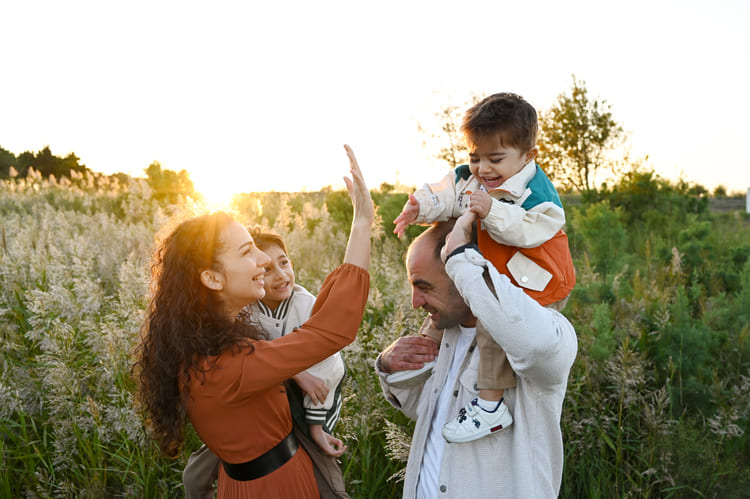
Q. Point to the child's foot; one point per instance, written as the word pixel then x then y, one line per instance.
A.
pixel 474 422
pixel 412 377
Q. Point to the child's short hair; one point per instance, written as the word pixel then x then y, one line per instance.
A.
pixel 266 237
pixel 505 114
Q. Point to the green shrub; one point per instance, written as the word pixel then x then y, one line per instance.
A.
pixel 658 398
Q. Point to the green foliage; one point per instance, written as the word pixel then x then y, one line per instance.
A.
pixel 389 204
pixel 658 398
pixel 43 162
pixel 602 236
pixel 603 333
pixel 340 208
pixel 673 300
pixel 7 160
pixel 575 135
pixel 169 187
pixel 644 196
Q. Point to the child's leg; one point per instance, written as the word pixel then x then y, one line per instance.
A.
pixel 495 373
pixel 487 414
pixel 327 472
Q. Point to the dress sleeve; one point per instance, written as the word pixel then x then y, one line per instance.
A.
pixel 334 322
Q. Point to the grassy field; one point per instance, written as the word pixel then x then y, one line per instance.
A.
pixel 658 400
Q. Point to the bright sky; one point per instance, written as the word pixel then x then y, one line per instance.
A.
pixel 253 96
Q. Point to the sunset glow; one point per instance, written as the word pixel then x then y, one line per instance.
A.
pixel 254 97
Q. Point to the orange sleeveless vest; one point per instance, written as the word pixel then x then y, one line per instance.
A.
pixel 553 256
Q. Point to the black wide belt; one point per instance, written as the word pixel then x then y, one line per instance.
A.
pixel 265 464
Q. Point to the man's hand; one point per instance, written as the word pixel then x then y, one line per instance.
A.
pixel 407 216
pixel 408 352
pixel 460 235
pixel 313 387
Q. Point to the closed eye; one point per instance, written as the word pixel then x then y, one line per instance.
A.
pixel 247 248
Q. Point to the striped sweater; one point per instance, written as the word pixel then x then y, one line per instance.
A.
pixel 287 317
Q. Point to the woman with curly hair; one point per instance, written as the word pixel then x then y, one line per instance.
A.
pixel 201 359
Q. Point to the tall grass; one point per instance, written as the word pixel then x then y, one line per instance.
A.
pixel 658 399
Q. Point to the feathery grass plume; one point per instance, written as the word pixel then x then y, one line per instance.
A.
pixel 655 323
pixel 398 445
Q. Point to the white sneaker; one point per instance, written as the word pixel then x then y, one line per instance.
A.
pixel 412 377
pixel 473 422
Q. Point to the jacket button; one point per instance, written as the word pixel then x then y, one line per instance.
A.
pixel 443 488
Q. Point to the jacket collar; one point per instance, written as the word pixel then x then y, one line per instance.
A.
pixel 516 185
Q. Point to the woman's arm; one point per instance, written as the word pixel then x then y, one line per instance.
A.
pixel 337 312
pixel 358 247
pixel 333 325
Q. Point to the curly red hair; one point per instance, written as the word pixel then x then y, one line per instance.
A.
pixel 184 322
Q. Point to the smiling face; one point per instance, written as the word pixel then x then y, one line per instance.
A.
pixel 492 163
pixel 432 289
pixel 239 276
pixel 279 276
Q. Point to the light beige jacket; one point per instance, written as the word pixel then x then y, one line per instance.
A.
pixel 525 460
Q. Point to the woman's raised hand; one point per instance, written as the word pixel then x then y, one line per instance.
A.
pixel 358 248
pixel 361 200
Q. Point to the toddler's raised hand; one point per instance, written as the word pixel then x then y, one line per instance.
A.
pixel 480 203
pixel 407 216
pixel 360 195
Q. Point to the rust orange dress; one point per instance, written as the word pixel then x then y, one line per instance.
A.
pixel 240 409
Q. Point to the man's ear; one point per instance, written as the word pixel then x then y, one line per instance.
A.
pixel 532 153
pixel 212 280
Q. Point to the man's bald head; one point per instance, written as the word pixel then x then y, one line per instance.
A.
pixel 432 240
pixel 432 289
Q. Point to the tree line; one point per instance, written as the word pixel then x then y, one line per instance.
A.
pixel 580 143
pixel 167 186
pixel 43 161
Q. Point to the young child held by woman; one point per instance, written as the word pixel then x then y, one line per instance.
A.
pixel 314 395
